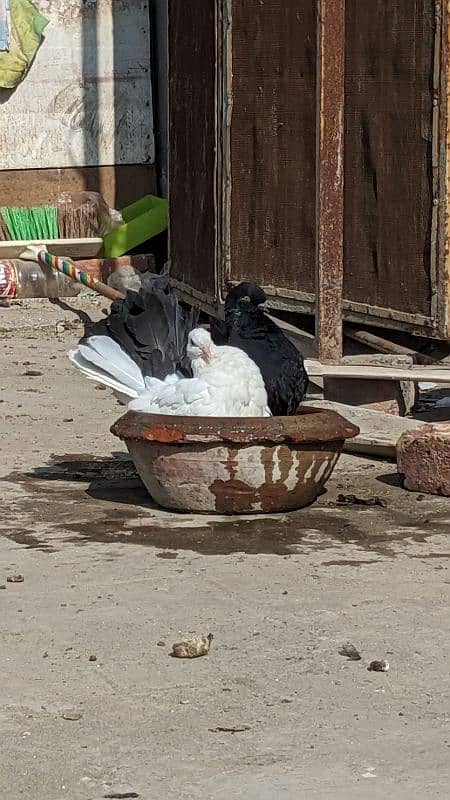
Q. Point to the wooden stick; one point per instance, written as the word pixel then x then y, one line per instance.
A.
pixel 69 268
pixel 386 346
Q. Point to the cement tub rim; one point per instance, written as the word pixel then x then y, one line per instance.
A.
pixel 308 426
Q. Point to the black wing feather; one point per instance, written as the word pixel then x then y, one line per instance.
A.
pixel 152 326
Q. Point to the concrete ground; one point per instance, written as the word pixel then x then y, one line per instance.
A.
pixel 107 574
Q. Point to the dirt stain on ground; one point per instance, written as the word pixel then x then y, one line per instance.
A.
pixel 29 541
pixel 115 508
pixel 351 563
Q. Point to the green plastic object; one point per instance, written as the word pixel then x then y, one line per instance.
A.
pixel 40 222
pixel 142 220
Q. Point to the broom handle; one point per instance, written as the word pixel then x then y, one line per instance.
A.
pixel 67 267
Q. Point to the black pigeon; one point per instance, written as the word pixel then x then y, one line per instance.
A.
pixel 248 327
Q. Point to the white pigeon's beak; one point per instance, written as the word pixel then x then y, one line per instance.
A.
pixel 207 353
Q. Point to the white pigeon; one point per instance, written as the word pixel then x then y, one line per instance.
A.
pixel 225 382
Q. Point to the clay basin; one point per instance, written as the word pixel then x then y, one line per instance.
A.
pixel 235 465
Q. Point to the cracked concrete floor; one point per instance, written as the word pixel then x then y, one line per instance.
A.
pixel 107 574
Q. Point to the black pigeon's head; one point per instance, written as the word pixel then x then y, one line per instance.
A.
pixel 245 293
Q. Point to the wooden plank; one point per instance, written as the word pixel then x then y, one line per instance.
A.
pixel 414 373
pixel 192 145
pixel 379 432
pixel 377 360
pixel 273 142
pixel 330 178
pixel 87 99
pixel 361 313
pixel 72 248
pixel 389 118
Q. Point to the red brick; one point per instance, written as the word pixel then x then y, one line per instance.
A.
pixel 423 457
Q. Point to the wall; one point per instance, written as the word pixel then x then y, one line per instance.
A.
pixel 84 111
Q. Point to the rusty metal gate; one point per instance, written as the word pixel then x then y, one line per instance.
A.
pixel 244 111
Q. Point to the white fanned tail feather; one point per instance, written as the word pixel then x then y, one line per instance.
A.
pixel 109 356
pixel 102 360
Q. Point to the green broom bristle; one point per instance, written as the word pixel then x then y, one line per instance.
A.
pixel 40 222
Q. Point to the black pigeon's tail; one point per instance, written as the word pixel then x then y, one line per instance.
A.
pixel 152 327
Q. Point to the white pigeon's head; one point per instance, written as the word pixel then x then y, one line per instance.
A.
pixel 200 346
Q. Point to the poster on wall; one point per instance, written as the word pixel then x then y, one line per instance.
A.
pixel 87 98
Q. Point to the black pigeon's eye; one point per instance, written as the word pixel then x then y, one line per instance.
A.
pixel 246 299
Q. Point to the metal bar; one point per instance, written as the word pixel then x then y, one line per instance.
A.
pixel 436 112
pixel 443 233
pixel 330 178
pixel 224 110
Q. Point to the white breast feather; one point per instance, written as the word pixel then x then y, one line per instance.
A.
pixel 230 385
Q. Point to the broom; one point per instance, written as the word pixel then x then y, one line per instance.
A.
pixel 67 267
pixel 40 222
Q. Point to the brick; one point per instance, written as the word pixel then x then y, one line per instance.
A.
pixel 423 458
pixel 392 397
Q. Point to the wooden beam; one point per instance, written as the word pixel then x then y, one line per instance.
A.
pixel 330 178
pixel 378 432
pixel 414 373
pixel 377 360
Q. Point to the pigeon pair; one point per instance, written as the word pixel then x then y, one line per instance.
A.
pixel 154 358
